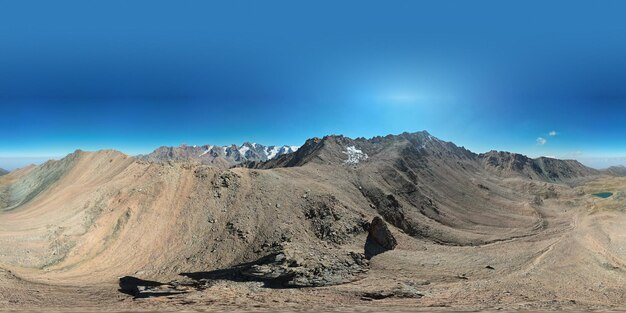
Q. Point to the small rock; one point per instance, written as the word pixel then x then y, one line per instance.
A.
pixel 401 291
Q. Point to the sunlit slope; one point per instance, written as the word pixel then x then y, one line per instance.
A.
pixel 50 204
pixel 109 215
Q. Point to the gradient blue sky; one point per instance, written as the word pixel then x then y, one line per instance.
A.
pixel 135 75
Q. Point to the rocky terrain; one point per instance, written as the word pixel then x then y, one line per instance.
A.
pixel 619 170
pixel 3 172
pixel 220 156
pixel 543 168
pixel 396 222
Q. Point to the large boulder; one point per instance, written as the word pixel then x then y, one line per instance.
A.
pixel 379 238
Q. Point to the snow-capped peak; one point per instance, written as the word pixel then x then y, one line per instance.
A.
pixel 243 149
pixel 248 151
pixel 271 152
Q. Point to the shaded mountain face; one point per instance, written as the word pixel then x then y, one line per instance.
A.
pixel 543 168
pixel 3 172
pixel 224 156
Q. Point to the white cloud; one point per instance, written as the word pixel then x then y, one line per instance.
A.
pixel 541 141
pixel 553 133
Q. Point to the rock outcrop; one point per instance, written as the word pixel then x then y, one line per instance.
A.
pixel 140 288
pixel 379 238
pixel 294 268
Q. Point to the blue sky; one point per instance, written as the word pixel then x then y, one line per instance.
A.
pixel 135 75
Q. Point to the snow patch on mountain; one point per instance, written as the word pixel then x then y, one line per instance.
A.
pixel 206 151
pixel 243 149
pixel 272 152
pixel 354 155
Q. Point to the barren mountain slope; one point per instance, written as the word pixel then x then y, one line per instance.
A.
pixel 431 188
pixel 302 219
pixel 619 170
pixel 507 164
pixel 89 208
pixel 112 215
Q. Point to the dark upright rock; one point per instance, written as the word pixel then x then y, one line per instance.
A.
pixel 379 239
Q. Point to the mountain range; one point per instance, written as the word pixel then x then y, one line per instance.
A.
pixel 255 155
pixel 399 216
pixel 218 155
pixel 335 149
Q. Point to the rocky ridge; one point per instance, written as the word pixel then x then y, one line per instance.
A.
pixel 618 170
pixel 223 156
pixel 542 168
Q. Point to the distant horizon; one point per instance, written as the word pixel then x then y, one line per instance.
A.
pixel 11 163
